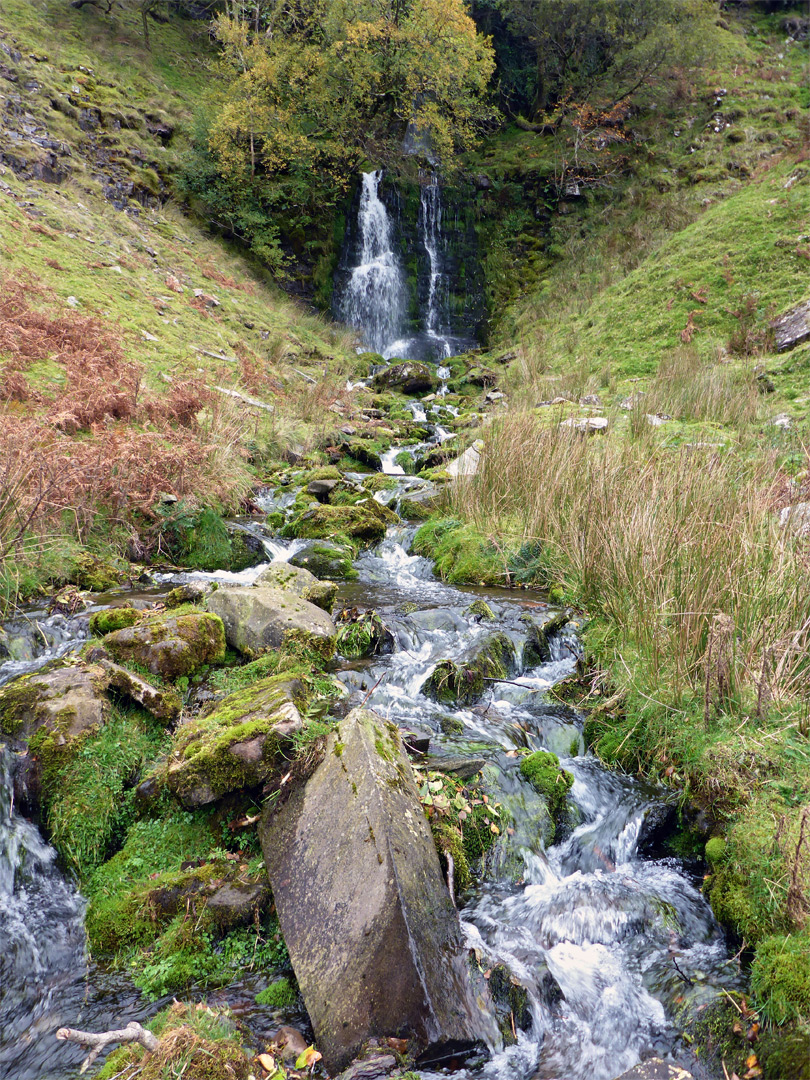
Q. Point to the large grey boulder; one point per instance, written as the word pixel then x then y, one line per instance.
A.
pixel 372 933
pixel 69 701
pixel 256 618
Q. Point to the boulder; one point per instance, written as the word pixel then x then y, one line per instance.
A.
pixel 192 592
pixel 796 519
pixel 69 701
pixel 373 937
pixel 257 618
pixel 465 682
pixel 172 647
pixel 300 582
pixel 792 327
pixel 467 463
pixel 237 744
pixel 366 521
pixel 408 378
pixel 326 560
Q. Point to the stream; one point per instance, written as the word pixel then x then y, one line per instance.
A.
pixel 608 943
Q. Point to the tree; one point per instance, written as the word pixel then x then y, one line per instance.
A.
pixel 606 50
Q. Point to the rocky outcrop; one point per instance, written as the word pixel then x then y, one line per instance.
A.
pixel 172 647
pixel 237 744
pixel 257 618
pixel 793 327
pixel 372 934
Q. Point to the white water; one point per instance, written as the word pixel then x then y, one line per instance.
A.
pixel 375 298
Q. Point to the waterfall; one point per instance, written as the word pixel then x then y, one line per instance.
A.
pixel 375 296
pixel 430 234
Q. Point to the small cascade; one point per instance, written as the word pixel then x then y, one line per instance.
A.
pixel 41 929
pixel 375 296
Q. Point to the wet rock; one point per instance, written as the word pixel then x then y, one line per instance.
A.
pixel 321 489
pixel 111 619
pixel 511 1003
pixel 793 327
pixel 659 823
pixel 465 682
pixel 357 882
pixel 171 647
pixel 408 378
pixel 462 767
pixel 376 1063
pixel 326 560
pixel 655 1069
pixel 433 619
pixel 164 705
pixel 257 618
pixel 300 582
pixel 236 744
pixel 537 647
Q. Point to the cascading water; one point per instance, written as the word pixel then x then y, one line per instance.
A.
pixel 375 296
pixel 430 231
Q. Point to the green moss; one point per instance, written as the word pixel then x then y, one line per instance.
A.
pixel 105 622
pixel 449 841
pixel 94 573
pixel 480 609
pixel 715 849
pixel 280 994
pixel 364 636
pixel 780 977
pixel 367 521
pixel 543 772
pixel 465 682
pixel 461 553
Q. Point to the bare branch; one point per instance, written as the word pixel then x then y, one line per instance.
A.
pixel 133 1032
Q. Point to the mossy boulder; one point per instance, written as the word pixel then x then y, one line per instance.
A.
pixel 280 994
pixel 191 592
pixel 106 622
pixel 365 521
pixel 68 700
pixel 540 630
pixel 236 745
pixel 257 618
pixel 542 770
pixel 300 582
pixel 170 647
pixel 408 378
pixel 356 880
pixel 365 635
pixel 164 705
pixel 94 573
pixel 327 560
pixel 465 682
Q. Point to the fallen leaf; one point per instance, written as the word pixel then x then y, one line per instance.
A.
pixel 400 1045
pixel 307 1058
pixel 267 1062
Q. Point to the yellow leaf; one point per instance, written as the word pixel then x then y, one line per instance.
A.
pixel 267 1062
pixel 307 1058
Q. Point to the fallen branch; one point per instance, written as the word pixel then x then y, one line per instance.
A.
pixel 246 399
pixel 133 1032
pixel 214 356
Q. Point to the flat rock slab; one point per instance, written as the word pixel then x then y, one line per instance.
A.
pixel 373 936
pixel 257 618
pixel 793 327
pixel 655 1069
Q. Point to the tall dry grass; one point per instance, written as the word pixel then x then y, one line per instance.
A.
pixel 657 542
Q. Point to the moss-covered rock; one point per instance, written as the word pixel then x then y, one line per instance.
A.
pixel 106 622
pixel 236 745
pixel 511 1003
pixel 67 700
pixel 94 573
pixel 257 619
pixel 543 772
pixel 300 582
pixel 414 510
pixel 409 378
pixel 164 705
pixel 480 610
pixel 280 994
pixel 328 560
pixel 540 629
pixel 170 647
pixel 780 977
pixel 192 592
pixel 465 682
pixel 365 521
